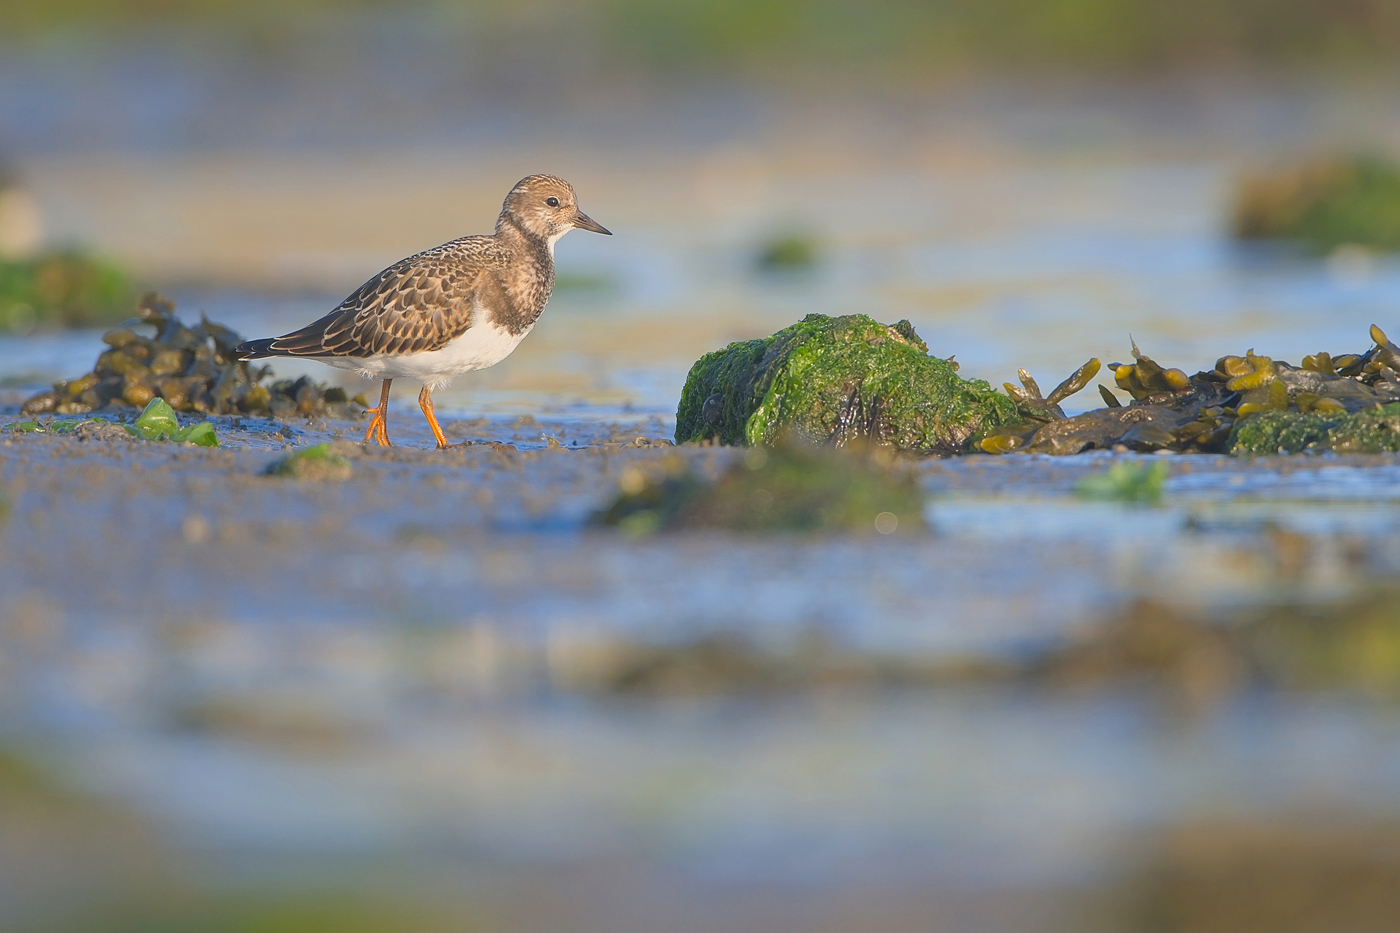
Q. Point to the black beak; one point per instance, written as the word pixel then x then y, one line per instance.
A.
pixel 584 222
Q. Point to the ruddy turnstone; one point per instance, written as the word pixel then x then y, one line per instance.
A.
pixel 459 307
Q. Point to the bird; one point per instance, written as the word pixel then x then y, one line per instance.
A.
pixel 449 310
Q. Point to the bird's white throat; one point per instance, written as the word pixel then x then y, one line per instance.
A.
pixel 555 239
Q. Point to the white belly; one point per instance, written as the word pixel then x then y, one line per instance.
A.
pixel 481 346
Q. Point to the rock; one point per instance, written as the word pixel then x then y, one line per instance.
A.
pixel 835 380
pixel 1373 430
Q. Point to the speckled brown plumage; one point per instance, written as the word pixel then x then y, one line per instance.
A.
pixel 425 301
pixel 420 303
pixel 458 307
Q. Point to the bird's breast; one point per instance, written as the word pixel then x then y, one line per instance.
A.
pixel 483 344
pixel 525 287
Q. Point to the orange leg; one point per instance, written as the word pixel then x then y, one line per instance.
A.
pixel 379 424
pixel 425 402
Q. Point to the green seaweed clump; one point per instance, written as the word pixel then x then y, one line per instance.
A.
pixel 158 422
pixel 1324 204
pixel 792 487
pixel 1126 482
pixel 62 289
pixel 317 462
pixel 194 369
pixel 836 380
pixel 1371 431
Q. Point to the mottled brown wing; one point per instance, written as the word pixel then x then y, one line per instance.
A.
pixel 417 304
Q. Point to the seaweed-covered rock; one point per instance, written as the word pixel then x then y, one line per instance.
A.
pixel 1324 204
pixel 1374 430
pixel 835 380
pixel 194 369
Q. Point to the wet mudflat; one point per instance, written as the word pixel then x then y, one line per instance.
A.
pixel 436 675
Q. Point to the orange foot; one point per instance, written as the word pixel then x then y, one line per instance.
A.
pixel 425 402
pixel 379 424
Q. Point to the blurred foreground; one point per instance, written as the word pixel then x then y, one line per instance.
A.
pixel 430 697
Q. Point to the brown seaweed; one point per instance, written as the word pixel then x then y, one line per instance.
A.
pixel 1247 404
pixel 194 369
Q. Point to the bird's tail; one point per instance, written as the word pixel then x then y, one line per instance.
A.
pixel 256 349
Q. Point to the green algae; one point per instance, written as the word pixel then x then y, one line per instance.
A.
pixel 1372 430
pixel 201 435
pixel 1126 482
pixel 1324 204
pixel 835 380
pixel 792 487
pixel 314 463
pixel 158 422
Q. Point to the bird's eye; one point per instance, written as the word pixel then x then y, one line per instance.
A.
pixel 552 202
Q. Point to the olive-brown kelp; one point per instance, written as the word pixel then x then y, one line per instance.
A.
pixel 1248 405
pixel 194 369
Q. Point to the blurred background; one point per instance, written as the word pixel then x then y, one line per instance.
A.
pixel 1028 181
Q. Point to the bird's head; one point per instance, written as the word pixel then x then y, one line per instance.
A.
pixel 545 206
